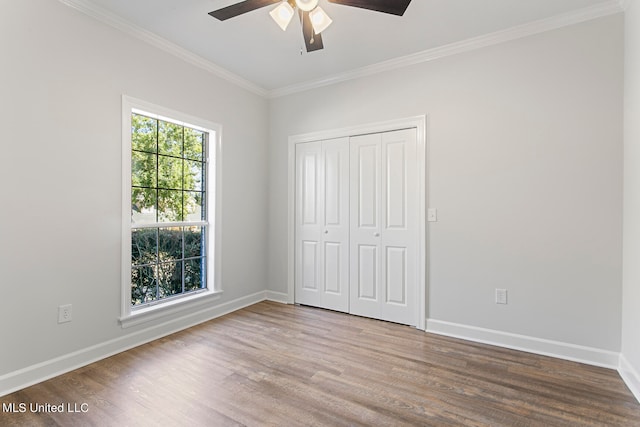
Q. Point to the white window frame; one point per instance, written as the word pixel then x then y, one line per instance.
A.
pixel 187 303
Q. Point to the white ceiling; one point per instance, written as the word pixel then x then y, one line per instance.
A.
pixel 253 47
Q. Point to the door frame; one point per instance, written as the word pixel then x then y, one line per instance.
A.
pixel 417 122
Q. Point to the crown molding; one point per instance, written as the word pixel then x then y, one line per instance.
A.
pixel 596 11
pixel 123 25
pixel 609 7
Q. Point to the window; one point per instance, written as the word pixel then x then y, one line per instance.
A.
pixel 169 198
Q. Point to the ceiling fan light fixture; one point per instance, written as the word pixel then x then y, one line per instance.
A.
pixel 319 20
pixel 282 14
pixel 306 5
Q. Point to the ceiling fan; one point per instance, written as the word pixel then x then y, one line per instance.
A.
pixel 313 18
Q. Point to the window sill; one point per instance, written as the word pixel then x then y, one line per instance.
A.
pixel 186 304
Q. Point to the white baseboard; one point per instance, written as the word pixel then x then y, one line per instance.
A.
pixel 630 376
pixel 281 297
pixel 34 374
pixel 560 350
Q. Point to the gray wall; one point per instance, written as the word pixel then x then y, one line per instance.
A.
pixel 630 363
pixel 525 169
pixel 62 78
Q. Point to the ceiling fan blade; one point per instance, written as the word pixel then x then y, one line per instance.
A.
pixel 394 7
pixel 240 8
pixel 311 40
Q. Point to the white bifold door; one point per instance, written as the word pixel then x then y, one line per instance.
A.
pixel 384 226
pixel 322 224
pixel 356 241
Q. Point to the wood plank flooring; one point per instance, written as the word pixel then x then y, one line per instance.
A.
pixel 280 365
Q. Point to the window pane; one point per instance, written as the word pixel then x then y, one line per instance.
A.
pixel 193 242
pixel 193 174
pixel 143 205
pixel 193 207
pixel 144 246
pixel 170 278
pixel 144 133
pixel 193 143
pixel 169 244
pixel 170 139
pixel 143 285
pixel 169 173
pixel 168 184
pixel 143 169
pixel 193 274
pixel 169 205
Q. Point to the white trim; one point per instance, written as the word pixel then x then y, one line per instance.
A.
pixel 169 224
pixel 109 18
pixel 280 297
pixel 125 225
pixel 291 221
pixel 364 129
pixel 630 376
pixel 164 308
pixel 557 349
pixel 39 372
pixel 592 12
pixel 129 316
pixel 418 122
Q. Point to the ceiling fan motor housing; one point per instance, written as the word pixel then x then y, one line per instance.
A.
pixel 306 5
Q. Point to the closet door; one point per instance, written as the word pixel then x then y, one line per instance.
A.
pixel 322 224
pixel 384 226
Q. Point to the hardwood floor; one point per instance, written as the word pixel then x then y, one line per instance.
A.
pixel 278 365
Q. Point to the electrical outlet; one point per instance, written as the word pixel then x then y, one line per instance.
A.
pixel 501 296
pixel 64 313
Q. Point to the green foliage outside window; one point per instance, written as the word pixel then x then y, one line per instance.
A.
pixel 168 167
pixel 165 259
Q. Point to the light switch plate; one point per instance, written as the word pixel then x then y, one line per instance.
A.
pixel 501 296
pixel 432 215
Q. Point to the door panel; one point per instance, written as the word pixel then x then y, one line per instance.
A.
pixel 333 158
pixel 396 268
pixel 399 238
pixel 368 155
pixel 384 220
pixel 308 259
pixel 396 189
pixel 310 265
pixel 310 188
pixel 368 272
pixel 335 236
pixel 333 283
pixel 365 228
pixel 322 216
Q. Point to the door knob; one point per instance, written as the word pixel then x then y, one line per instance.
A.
pixel 376 234
pixel 326 231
